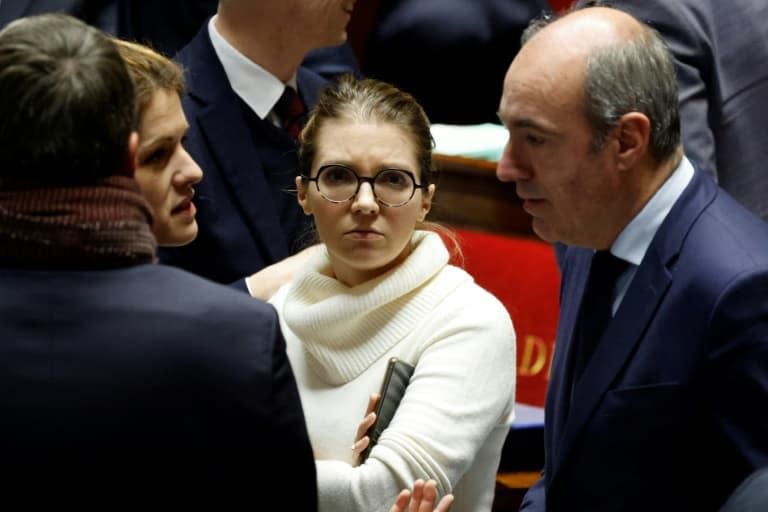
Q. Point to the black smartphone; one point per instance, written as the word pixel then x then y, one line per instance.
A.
pixel 392 390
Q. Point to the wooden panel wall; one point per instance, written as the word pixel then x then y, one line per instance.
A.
pixel 470 196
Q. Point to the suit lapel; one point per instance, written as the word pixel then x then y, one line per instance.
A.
pixel 616 346
pixel 240 165
pixel 644 296
pixel 559 390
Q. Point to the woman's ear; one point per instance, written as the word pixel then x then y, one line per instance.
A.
pixel 132 154
pixel 426 202
pixel 633 132
pixel 301 196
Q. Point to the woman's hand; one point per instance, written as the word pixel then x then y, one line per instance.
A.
pixel 423 499
pixel 361 440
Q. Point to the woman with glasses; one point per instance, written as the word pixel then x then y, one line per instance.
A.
pixel 381 286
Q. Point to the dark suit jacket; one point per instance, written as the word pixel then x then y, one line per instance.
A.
pixel 247 214
pixel 721 51
pixel 146 385
pixel 452 55
pixel 751 495
pixel 669 413
pixel 94 12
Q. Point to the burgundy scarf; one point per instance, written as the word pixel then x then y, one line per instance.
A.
pixel 105 225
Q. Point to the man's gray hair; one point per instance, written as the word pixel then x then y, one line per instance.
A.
pixel 636 75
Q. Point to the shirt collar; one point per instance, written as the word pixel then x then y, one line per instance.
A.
pixel 636 237
pixel 256 86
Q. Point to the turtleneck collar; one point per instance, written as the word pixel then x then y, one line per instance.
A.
pixel 345 329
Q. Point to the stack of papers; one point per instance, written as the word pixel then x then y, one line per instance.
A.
pixel 485 141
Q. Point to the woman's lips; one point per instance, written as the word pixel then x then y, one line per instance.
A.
pixel 363 234
pixel 185 208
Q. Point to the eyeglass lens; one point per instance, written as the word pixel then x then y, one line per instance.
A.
pixel 393 187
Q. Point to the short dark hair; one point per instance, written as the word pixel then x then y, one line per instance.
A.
pixel 66 102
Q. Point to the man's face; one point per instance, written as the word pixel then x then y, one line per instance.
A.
pixel 325 20
pixel 564 182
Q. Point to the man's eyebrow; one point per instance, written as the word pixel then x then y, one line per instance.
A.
pixel 531 124
pixel 524 123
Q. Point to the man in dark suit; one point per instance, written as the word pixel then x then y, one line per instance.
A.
pixel 720 50
pixel 239 66
pixel 659 406
pixel 122 382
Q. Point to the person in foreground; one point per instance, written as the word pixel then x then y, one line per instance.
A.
pixel 381 287
pixel 123 380
pixel 665 412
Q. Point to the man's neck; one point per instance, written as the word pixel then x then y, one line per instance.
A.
pixel 270 47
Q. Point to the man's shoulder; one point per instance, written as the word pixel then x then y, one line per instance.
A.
pixel 184 305
pixel 203 71
pixel 310 84
pixel 201 42
pixel 732 229
pixel 209 291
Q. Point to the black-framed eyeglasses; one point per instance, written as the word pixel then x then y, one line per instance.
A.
pixel 339 183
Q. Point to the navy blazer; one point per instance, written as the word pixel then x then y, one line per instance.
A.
pixel 14 9
pixel 670 412
pixel 94 12
pixel 721 51
pixel 146 385
pixel 247 210
pixel 751 495
pixel 452 55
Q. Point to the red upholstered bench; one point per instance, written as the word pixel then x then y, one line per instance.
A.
pixel 522 273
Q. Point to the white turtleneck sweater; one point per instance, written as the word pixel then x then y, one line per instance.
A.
pixel 457 409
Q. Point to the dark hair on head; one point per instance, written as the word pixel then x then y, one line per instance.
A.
pixel 634 75
pixel 66 102
pixel 368 100
pixel 150 71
